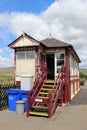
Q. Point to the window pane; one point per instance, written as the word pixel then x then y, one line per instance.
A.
pixel 21 55
pixel 60 62
pixel 58 69
pixel 62 56
pixel 29 54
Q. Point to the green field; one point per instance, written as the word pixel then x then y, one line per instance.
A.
pixel 83 71
pixel 6 75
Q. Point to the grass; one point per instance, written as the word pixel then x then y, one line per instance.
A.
pixel 84 71
pixel 6 75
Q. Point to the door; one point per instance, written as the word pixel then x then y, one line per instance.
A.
pixel 50 66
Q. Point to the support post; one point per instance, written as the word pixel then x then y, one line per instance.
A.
pixel 28 104
pixel 36 62
pixel 61 97
pixel 67 80
pixel 14 66
pixel 50 105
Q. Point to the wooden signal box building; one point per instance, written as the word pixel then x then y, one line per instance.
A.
pixel 30 53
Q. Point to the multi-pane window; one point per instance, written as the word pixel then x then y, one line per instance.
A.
pixel 20 55
pixel 59 60
pixel 25 55
pixel 29 54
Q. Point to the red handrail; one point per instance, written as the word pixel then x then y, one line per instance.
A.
pixel 36 87
pixel 56 92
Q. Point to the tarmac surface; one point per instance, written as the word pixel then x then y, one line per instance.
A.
pixel 70 117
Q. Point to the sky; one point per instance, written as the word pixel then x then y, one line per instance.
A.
pixel 66 20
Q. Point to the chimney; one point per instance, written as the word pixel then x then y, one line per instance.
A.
pixel 50 35
pixel 23 34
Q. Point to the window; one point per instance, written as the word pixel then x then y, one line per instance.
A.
pixel 59 60
pixel 29 54
pixel 60 56
pixel 25 55
pixel 21 55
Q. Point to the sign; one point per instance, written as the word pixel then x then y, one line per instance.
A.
pixel 38 100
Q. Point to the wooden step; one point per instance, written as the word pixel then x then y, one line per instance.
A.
pixel 43 93
pixel 38 113
pixel 48 85
pixel 42 97
pixel 40 107
pixel 49 81
pixel 46 89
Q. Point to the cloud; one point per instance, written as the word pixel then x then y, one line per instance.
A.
pixel 1 51
pixel 6 62
pixel 66 21
pixel 6 57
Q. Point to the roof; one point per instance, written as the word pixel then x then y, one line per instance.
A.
pixel 54 43
pixel 24 35
pixel 47 43
pixel 51 42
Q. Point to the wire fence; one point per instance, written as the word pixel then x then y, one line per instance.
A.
pixel 4 96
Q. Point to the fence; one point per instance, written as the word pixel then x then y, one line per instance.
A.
pixel 3 94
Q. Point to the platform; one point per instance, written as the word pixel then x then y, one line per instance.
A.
pixel 70 117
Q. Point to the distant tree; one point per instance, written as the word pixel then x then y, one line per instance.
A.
pixel 82 75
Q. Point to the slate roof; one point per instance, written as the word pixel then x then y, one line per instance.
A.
pixel 54 43
pixel 51 42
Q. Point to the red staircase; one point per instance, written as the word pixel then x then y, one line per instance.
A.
pixel 43 98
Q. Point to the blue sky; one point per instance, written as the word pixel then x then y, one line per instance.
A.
pixel 33 6
pixel 12 6
pixel 66 21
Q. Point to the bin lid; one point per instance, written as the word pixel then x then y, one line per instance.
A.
pixel 20 102
pixel 26 76
pixel 24 91
pixel 12 91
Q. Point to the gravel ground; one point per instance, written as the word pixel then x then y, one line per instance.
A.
pixel 70 117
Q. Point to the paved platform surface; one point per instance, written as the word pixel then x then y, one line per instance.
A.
pixel 70 117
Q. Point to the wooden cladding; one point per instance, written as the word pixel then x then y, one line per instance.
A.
pixel 26 48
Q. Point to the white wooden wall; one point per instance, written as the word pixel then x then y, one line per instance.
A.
pixel 24 67
pixel 74 75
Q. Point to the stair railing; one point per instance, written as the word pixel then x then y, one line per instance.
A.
pixel 57 92
pixel 41 76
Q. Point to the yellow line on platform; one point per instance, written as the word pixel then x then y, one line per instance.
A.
pixel 38 113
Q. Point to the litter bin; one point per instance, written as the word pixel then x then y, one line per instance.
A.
pixel 13 96
pixel 20 106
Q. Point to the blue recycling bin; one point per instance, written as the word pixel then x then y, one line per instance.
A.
pixel 13 96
